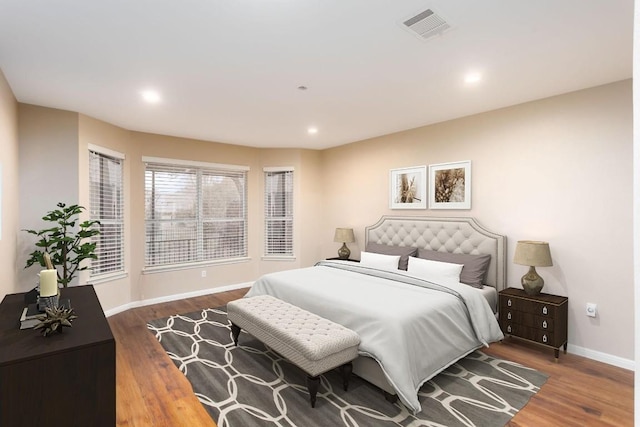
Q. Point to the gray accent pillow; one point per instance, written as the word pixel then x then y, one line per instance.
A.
pixel 404 251
pixel 475 266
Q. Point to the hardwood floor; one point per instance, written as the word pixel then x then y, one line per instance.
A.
pixel 150 389
pixel 579 391
pixel 152 392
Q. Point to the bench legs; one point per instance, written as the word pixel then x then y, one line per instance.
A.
pixel 312 386
pixel 235 332
pixel 346 371
pixel 312 382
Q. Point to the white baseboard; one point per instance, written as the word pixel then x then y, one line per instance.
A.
pixel 602 357
pixel 175 297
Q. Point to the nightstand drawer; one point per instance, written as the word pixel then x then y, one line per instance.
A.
pixel 528 319
pixel 533 334
pixel 528 306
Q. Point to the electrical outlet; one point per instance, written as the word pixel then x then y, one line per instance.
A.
pixel 204 273
pixel 592 309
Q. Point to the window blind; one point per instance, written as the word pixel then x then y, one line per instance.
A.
pixel 107 206
pixel 278 215
pixel 194 214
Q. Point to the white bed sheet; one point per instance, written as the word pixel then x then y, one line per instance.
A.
pixel 412 330
pixel 491 295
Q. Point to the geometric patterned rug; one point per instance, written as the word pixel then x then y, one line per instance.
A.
pixel 250 385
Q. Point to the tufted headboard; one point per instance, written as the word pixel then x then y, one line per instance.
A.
pixel 444 234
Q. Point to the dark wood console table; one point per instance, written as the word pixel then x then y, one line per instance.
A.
pixel 63 379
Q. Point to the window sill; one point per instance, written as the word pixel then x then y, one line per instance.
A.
pixel 110 277
pixel 192 265
pixel 278 258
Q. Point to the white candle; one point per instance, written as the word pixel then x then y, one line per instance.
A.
pixel 48 283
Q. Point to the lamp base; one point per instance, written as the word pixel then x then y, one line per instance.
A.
pixel 344 252
pixel 532 283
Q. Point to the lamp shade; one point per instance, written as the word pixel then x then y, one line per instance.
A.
pixel 533 254
pixel 344 235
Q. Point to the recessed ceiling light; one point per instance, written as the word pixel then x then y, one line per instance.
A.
pixel 312 130
pixel 472 78
pixel 150 96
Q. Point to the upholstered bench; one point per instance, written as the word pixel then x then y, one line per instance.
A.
pixel 314 344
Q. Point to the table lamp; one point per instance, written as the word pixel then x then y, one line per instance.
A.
pixel 344 235
pixel 534 254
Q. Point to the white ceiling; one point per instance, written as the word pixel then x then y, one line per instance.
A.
pixel 229 70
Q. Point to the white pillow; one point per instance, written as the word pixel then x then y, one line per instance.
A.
pixel 379 261
pixel 435 271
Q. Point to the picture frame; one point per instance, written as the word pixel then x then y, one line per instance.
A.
pixel 408 188
pixel 450 185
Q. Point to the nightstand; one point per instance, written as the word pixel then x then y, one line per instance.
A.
pixel 538 318
pixel 342 259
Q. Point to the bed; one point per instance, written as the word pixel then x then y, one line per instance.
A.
pixel 411 326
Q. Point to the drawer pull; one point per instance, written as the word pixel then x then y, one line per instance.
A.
pixel 544 310
pixel 509 315
pixel 509 328
pixel 544 338
pixel 544 324
pixel 509 302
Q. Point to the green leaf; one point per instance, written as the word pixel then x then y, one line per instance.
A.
pixel 66 246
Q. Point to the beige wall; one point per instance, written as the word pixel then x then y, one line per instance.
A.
pixel 8 187
pixel 311 210
pixel 558 169
pixel 48 168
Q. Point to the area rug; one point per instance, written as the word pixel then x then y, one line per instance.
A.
pixel 250 385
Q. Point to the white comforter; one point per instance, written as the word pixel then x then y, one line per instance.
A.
pixel 413 328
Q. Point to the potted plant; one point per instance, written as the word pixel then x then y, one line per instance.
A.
pixel 66 247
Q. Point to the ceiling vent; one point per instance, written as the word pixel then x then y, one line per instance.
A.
pixel 426 24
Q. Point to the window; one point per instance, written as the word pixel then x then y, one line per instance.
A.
pixel 107 206
pixel 194 211
pixel 278 211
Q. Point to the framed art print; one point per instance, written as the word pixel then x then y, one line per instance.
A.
pixel 450 185
pixel 408 188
